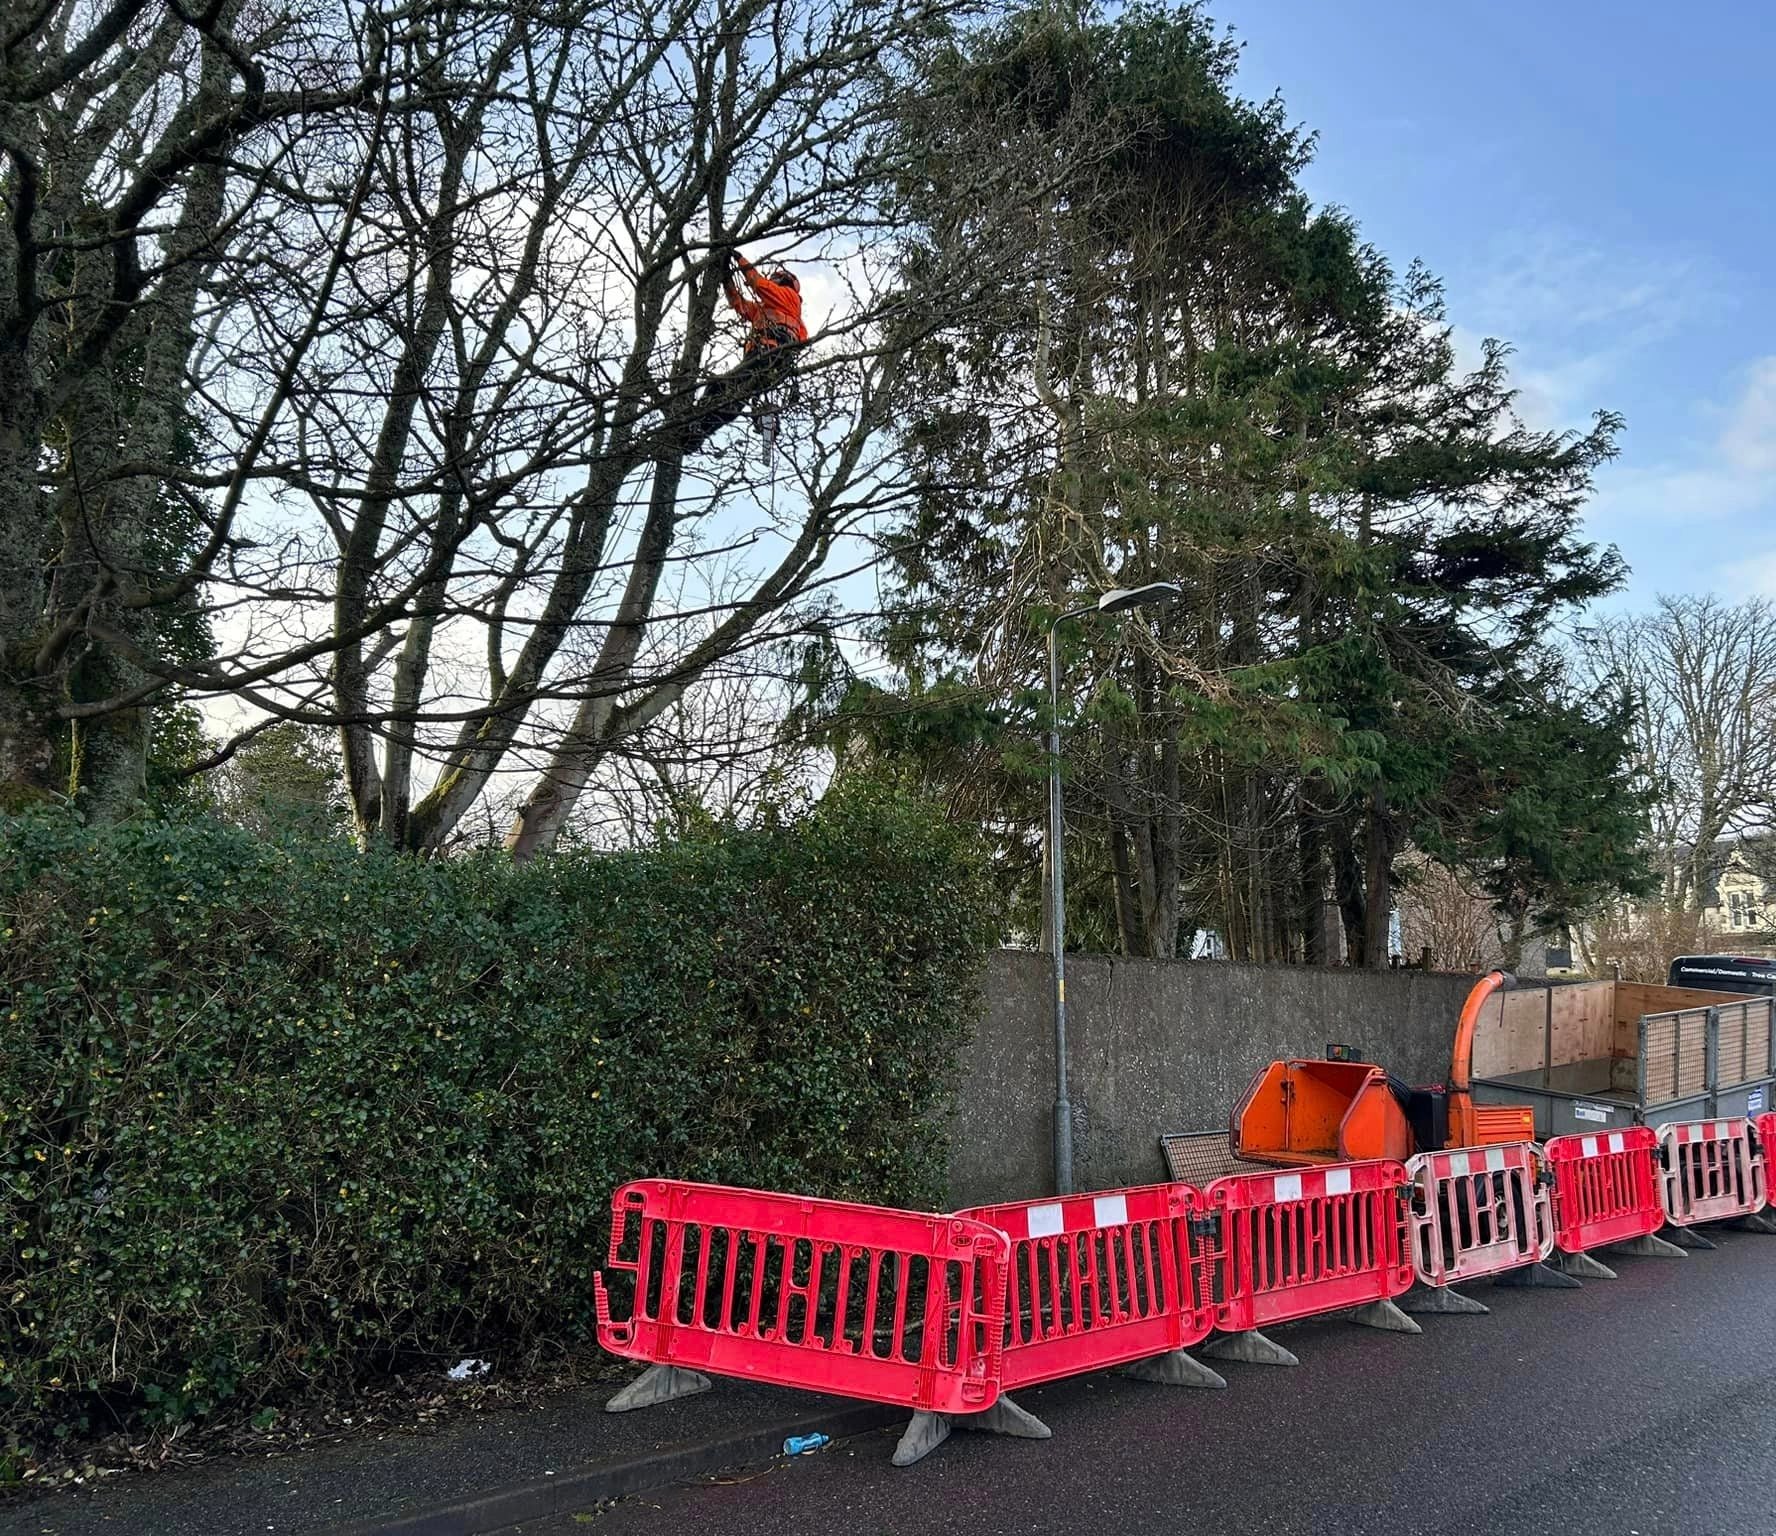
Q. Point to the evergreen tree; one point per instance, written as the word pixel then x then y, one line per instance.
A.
pixel 286 779
pixel 1208 381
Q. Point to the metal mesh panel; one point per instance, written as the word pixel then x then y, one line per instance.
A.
pixel 1744 1049
pixel 1201 1157
pixel 1676 1055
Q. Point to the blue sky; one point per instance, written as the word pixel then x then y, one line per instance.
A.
pixel 1595 183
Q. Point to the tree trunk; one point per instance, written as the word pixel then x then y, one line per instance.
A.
pixel 1512 938
pixel 1128 920
pixel 1314 949
pixel 28 736
pixel 1046 928
pixel 1162 942
pixel 540 820
pixel 1378 884
pixel 1347 880
pixel 1310 829
pixel 107 754
pixel 28 728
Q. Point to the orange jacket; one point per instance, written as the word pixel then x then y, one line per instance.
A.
pixel 775 306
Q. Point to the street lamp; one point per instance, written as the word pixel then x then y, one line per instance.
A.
pixel 1117 600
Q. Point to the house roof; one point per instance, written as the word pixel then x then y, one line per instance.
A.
pixel 1757 854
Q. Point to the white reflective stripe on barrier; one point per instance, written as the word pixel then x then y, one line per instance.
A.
pixel 1710 1171
pixel 1606 1187
pixel 1054 1217
pixel 1478 1211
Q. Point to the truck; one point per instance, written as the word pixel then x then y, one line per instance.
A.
pixel 1753 974
pixel 1598 1055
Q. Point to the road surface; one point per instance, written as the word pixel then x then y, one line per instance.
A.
pixel 1638 1408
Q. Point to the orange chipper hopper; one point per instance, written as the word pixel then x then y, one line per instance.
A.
pixel 1320 1112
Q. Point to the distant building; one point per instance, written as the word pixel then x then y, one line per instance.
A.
pixel 1735 902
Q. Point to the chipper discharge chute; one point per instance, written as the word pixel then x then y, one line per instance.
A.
pixel 1302 1112
pixel 1468 1124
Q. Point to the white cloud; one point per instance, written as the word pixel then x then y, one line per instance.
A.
pixel 1563 394
pixel 1694 503
pixel 1674 496
pixel 1730 480
pixel 1749 439
pixel 1750 576
pixel 1558 285
pixel 1578 316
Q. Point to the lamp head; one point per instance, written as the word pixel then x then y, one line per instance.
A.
pixel 1154 594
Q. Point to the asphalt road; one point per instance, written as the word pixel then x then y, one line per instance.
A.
pixel 1638 1408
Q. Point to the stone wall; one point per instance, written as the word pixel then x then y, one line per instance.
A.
pixel 1163 1045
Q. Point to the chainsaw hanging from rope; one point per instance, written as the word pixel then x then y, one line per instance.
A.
pixel 771 305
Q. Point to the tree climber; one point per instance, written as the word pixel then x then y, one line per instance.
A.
pixel 775 314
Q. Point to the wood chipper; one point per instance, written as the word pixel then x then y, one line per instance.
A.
pixel 1300 1112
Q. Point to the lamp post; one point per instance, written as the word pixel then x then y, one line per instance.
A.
pixel 1117 600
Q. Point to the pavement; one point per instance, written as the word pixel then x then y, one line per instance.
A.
pixel 395 1479
pixel 1635 1408
pixel 1640 1407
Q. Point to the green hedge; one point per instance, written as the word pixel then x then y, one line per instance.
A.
pixel 276 1114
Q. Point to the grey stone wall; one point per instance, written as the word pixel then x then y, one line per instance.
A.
pixel 1163 1045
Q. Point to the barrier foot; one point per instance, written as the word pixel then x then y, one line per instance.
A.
pixel 1250 1348
pixel 1649 1247
pixel 1582 1265
pixel 1536 1277
pixel 1760 1221
pixel 1383 1315
pixel 1175 1369
pixel 1440 1301
pixel 928 1431
pixel 1688 1237
pixel 658 1384
pixel 923 1435
pixel 1006 1418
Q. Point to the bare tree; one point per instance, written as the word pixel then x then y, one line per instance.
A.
pixel 1702 676
pixel 411 375
pixel 725 752
pixel 530 446
pixel 1639 940
pixel 138 145
pixel 1444 919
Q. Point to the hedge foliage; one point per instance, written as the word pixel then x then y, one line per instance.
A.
pixel 273 1114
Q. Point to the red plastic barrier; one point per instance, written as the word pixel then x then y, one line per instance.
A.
pixel 1097 1280
pixel 891 1306
pixel 1766 1134
pixel 1713 1171
pixel 1606 1187
pixel 1289 1245
pixel 1478 1211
